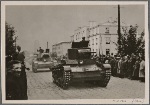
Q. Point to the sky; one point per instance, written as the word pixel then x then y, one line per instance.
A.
pixel 56 23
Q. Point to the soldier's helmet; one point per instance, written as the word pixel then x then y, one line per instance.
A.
pixel 18 48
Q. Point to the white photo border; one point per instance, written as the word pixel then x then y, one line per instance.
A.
pixel 75 101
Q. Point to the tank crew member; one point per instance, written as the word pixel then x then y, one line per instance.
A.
pixel 40 51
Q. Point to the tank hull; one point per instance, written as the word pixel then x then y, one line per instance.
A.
pixel 41 65
pixel 66 75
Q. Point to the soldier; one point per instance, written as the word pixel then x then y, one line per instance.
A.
pixel 119 66
pixel 136 68
pixel 132 63
pixel 23 79
pixel 123 67
pixel 20 55
pixel 112 63
pixel 40 51
pixel 142 70
pixel 83 38
pixel 116 66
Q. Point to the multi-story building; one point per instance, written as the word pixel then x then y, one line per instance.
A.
pixel 79 33
pixel 102 37
pixel 61 48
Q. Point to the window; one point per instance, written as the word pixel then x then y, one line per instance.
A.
pixel 107 40
pixel 107 51
pixel 93 42
pixel 107 30
pixel 96 41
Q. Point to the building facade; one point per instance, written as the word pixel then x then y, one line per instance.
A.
pixel 102 37
pixel 61 48
pixel 79 33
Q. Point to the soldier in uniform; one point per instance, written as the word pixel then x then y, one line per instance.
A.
pixel 23 79
pixel 142 70
pixel 112 63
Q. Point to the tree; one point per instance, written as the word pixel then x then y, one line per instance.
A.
pixel 141 44
pixel 131 40
pixel 10 42
pixel 122 42
pixel 129 43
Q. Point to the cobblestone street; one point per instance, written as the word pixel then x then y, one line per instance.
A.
pixel 40 86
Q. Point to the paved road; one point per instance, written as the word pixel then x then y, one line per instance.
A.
pixel 40 86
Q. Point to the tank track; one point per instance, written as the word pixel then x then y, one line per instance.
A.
pixel 106 79
pixel 66 79
pixel 62 80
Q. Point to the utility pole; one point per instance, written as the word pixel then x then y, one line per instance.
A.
pixel 119 32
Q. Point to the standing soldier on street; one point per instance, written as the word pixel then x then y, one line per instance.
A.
pixel 23 79
pixel 119 66
pixel 142 70
pixel 131 65
pixel 136 68
pixel 122 67
pixel 116 65
pixel 112 63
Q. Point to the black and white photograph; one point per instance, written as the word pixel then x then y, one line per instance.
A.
pixel 74 52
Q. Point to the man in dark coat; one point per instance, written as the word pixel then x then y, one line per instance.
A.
pixel 23 77
pixel 112 63
pixel 20 56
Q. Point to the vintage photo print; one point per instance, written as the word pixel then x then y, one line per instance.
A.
pixel 74 52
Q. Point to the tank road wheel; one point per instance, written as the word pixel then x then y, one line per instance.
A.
pixel 106 79
pixel 55 77
pixel 65 86
pixel 66 79
pixel 33 68
pixel 105 82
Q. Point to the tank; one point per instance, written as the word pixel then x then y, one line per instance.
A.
pixel 42 64
pixel 42 60
pixel 79 66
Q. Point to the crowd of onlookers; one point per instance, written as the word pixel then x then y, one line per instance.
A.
pixel 126 66
pixel 131 67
